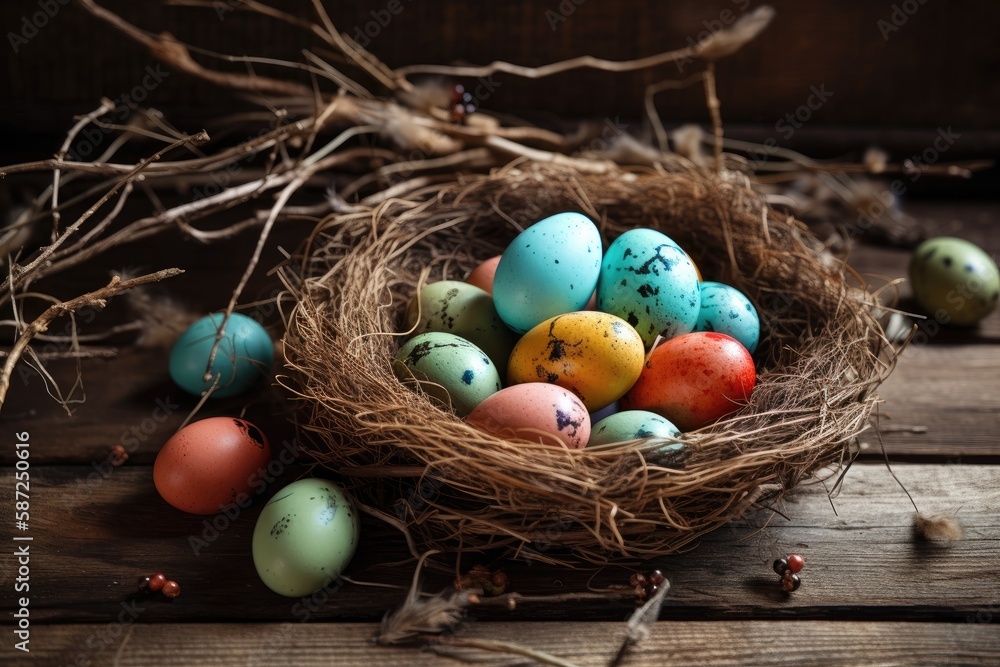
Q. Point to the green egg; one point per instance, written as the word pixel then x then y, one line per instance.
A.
pixel 449 369
pixel 454 307
pixel 954 280
pixel 305 537
pixel 637 425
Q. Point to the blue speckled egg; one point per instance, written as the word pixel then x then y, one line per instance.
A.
pixel 549 269
pixel 245 355
pixel 631 425
pixel 725 309
pixel 305 537
pixel 648 281
pixel 450 370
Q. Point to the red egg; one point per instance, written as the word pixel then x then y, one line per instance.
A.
pixel 536 411
pixel 694 379
pixel 482 275
pixel 211 464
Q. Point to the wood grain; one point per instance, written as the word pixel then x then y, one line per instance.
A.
pixel 93 538
pixel 742 643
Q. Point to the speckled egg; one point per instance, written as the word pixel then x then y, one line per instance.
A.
pixel 631 425
pixel 482 276
pixel 210 464
pixel 726 310
pixel 449 369
pixel 305 537
pixel 549 269
pixel 694 379
pixel 954 280
pixel 595 355
pixel 244 357
pixel 648 281
pixel 535 411
pixel 465 310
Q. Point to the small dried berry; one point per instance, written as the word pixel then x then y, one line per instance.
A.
pixel 118 456
pixel 781 566
pixel 171 589
pixel 790 582
pixel 795 563
pixel 156 582
pixel 656 578
pixel 637 579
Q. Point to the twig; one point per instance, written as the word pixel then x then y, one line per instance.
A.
pixel 496 646
pixel 106 106
pixel 96 299
pixel 712 100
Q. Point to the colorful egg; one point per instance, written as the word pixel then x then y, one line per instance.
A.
pixel 211 464
pixel 244 356
pixel 725 309
pixel 631 425
pixel 449 369
pixel 535 411
pixel 595 355
pixel 549 269
pixel 694 379
pixel 458 308
pixel 648 281
pixel 305 537
pixel 482 275
pixel 954 280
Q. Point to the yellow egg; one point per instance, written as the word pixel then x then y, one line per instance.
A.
pixel 595 355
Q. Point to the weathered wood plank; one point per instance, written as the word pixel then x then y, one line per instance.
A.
pixel 92 540
pixel 744 643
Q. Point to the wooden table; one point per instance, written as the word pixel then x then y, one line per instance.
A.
pixel 871 594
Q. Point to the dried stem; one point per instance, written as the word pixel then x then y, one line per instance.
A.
pixel 496 646
pixel 96 299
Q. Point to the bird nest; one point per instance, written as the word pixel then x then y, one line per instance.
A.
pixel 453 487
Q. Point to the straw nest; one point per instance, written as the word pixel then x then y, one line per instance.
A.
pixel 452 487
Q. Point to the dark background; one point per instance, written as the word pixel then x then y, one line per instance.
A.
pixel 897 70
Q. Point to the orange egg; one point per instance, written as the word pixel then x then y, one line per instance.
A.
pixel 482 275
pixel 211 464
pixel 535 411
pixel 694 379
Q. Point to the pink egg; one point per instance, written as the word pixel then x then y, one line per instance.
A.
pixel 536 411
pixel 482 275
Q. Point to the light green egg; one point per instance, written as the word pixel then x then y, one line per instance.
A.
pixel 449 369
pixel 305 537
pixel 450 306
pixel 954 280
pixel 638 425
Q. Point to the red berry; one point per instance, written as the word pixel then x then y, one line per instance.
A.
pixel 790 582
pixel 796 562
pixel 157 581
pixel 171 589
pixel 656 578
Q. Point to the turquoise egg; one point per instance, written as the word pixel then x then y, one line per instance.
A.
pixel 549 269
pixel 954 280
pixel 449 369
pixel 305 537
pixel 245 355
pixel 648 281
pixel 450 306
pixel 725 309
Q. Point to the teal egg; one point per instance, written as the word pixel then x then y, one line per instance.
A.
pixel 450 306
pixel 450 370
pixel 725 309
pixel 631 425
pixel 245 355
pixel 549 269
pixel 954 280
pixel 305 537
pixel 648 281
